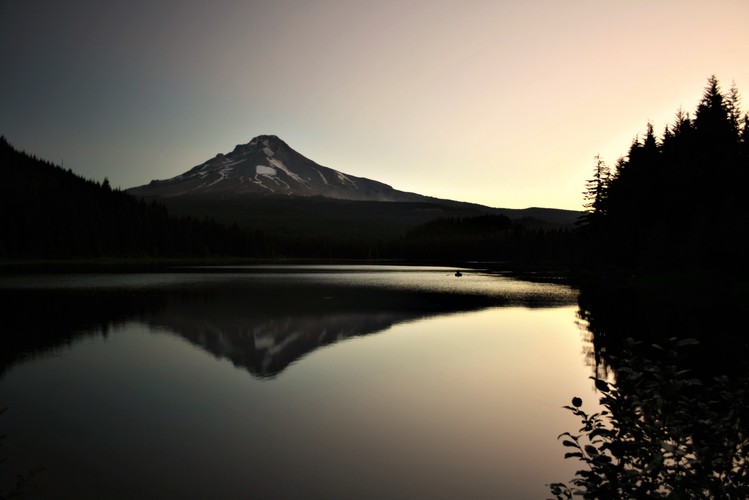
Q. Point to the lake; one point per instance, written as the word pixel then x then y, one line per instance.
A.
pixel 290 382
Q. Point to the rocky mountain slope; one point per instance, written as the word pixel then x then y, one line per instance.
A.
pixel 268 166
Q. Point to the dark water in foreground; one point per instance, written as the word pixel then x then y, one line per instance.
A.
pixel 315 382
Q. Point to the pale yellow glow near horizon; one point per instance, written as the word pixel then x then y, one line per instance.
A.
pixel 495 102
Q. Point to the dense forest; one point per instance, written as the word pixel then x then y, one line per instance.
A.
pixel 458 239
pixel 489 238
pixel 48 212
pixel 51 213
pixel 675 202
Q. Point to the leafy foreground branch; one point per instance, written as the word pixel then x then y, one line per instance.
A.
pixel 664 433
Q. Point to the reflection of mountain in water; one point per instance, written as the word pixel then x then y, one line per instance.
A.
pixel 266 330
pixel 266 347
pixel 260 325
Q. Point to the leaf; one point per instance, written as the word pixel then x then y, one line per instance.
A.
pixel 599 432
pixel 570 444
pixel 601 385
pixel 591 450
pixel 572 454
pixel 603 459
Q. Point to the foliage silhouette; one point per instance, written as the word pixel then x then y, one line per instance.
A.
pixel 671 369
pixel 664 432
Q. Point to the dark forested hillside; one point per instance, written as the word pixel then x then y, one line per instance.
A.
pixel 48 212
pixel 489 238
pixel 678 202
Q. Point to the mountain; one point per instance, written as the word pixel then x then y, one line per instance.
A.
pixel 268 166
pixel 266 185
pixel 308 210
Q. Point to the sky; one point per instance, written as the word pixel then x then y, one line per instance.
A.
pixel 503 103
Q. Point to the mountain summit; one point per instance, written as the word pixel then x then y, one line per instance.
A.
pixel 268 166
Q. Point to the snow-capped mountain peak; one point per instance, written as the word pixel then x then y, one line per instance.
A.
pixel 268 166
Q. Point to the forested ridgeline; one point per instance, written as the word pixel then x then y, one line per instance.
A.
pixel 455 239
pixel 47 212
pixel 52 213
pixel 679 201
pixel 489 238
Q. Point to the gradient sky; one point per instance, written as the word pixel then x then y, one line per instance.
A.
pixel 503 103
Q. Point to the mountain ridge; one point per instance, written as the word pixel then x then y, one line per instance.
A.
pixel 268 166
pixel 251 176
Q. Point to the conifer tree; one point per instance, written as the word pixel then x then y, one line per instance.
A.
pixel 596 191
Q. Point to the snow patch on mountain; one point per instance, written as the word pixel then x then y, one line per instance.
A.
pixel 231 164
pixel 280 165
pixel 323 177
pixel 224 173
pixel 280 182
pixel 343 178
pixel 264 170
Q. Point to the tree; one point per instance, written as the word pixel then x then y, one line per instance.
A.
pixel 733 104
pixel 716 133
pixel 596 192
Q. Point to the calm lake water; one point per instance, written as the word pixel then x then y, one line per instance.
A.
pixel 290 382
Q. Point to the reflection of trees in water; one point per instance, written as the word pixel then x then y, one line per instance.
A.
pixel 674 419
pixel 612 315
pixel 38 322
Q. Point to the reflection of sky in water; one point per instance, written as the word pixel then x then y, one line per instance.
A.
pixel 466 405
pixel 443 280
pixel 425 279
